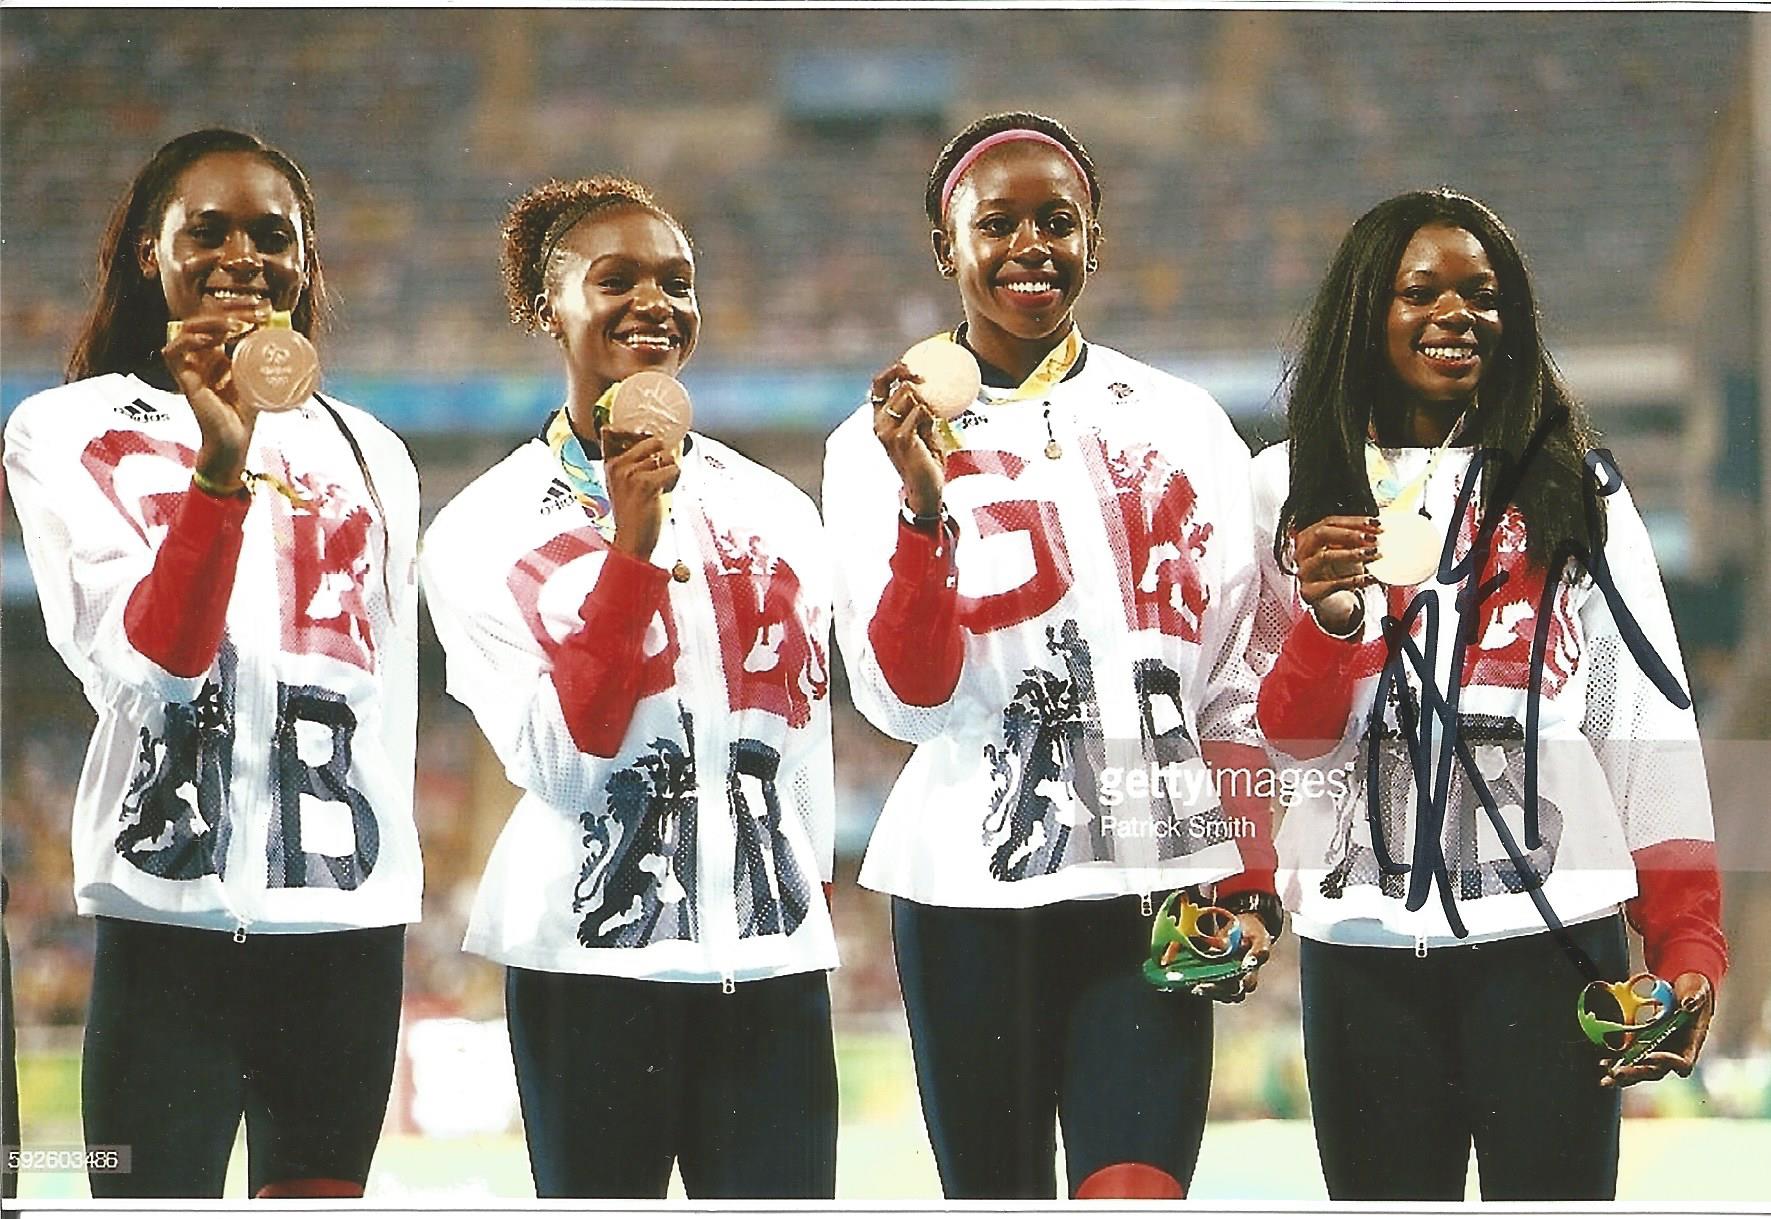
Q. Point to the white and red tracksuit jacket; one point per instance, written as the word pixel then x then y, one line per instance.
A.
pixel 1622 809
pixel 252 660
pixel 672 740
pixel 1066 651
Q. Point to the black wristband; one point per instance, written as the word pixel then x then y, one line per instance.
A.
pixel 928 524
pixel 1264 906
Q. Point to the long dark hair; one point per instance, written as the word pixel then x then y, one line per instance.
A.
pixel 127 322
pixel 1340 385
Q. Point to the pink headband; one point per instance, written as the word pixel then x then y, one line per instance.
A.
pixel 987 143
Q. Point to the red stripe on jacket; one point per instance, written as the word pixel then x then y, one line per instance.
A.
pixel 597 669
pixel 1678 909
pixel 177 614
pixel 915 631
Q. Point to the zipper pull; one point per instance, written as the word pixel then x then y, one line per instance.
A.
pixel 726 985
pixel 239 933
pixel 1145 906
pixel 1420 946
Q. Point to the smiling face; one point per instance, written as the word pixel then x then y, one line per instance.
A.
pixel 231 240
pixel 622 298
pixel 1018 239
pixel 1444 325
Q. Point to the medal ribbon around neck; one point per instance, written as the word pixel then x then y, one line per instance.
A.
pixel 1048 372
pixel 583 475
pixel 1054 368
pixel 1387 488
pixel 585 478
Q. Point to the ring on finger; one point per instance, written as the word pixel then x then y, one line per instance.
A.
pixel 894 414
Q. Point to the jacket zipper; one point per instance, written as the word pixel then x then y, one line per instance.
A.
pixel 251 772
pixel 714 842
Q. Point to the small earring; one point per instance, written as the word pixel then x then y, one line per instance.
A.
pixel 1092 265
pixel 948 270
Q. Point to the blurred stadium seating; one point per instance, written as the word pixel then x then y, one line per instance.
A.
pixel 1234 147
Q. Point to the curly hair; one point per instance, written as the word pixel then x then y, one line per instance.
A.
pixel 540 219
pixel 992 124
pixel 1340 385
pixel 126 323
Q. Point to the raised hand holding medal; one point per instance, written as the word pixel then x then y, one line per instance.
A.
pixel 1330 557
pixel 649 404
pixel 1410 543
pixel 642 422
pixel 948 382
pixel 226 392
pixel 913 401
pixel 275 367
pixel 267 365
pixel 1338 556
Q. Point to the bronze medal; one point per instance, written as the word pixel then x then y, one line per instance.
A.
pixel 951 380
pixel 652 403
pixel 1410 544
pixel 275 368
pixel 1408 548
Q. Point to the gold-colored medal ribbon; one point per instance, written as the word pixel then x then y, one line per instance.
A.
pixel 1048 372
pixel 1054 368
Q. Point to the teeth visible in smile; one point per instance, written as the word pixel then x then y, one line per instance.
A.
pixel 1031 289
pixel 657 342
pixel 233 294
pixel 1448 353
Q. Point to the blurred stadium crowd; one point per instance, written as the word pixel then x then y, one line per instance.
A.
pixel 1235 147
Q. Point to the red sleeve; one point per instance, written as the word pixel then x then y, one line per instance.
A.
pixel 915 632
pixel 176 615
pixel 1678 909
pixel 1245 783
pixel 597 669
pixel 1307 696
